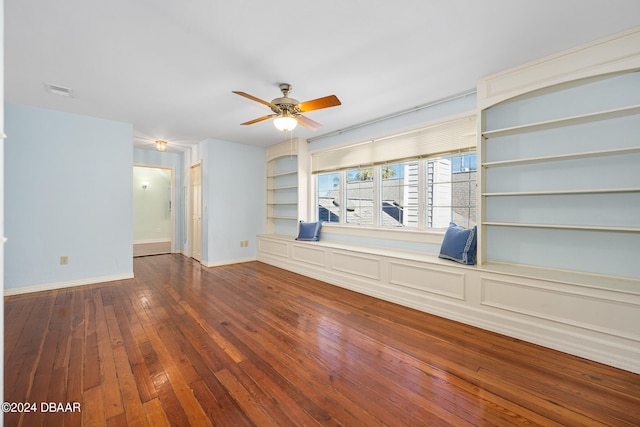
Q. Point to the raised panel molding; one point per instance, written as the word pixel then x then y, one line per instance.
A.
pixel 580 310
pixel 427 279
pixel 310 255
pixel 358 265
pixel 273 247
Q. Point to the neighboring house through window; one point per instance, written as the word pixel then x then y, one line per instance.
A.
pixel 393 195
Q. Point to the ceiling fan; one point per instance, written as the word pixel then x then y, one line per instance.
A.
pixel 288 111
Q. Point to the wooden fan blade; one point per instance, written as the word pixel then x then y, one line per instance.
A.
pixel 253 98
pixel 259 119
pixel 308 123
pixel 317 104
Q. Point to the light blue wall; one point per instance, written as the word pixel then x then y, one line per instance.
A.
pixel 68 192
pixel 233 177
pixel 2 129
pixel 175 162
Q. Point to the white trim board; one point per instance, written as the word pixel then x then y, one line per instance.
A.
pixel 227 262
pixel 61 285
pixel 146 241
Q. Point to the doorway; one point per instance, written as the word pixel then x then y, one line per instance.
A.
pixel 196 211
pixel 153 215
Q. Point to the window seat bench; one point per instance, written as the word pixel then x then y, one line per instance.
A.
pixel 588 315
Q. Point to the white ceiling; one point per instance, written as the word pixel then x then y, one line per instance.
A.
pixel 168 67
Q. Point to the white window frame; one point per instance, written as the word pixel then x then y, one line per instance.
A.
pixel 377 201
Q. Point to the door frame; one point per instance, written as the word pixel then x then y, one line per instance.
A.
pixel 189 219
pixel 172 170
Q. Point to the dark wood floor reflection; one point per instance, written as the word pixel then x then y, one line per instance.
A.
pixel 250 344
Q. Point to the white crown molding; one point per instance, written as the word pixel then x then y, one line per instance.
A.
pixel 617 53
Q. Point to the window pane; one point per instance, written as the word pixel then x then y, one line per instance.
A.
pixel 359 194
pixel 452 190
pixel 329 196
pixel 399 194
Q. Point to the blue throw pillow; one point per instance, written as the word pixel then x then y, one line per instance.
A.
pixel 309 231
pixel 459 244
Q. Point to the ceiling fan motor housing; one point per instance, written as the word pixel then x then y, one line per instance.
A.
pixel 285 104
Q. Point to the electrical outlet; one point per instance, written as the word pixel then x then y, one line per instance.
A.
pixel 64 260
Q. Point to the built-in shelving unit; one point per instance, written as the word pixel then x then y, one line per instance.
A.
pixel 561 157
pixel 563 192
pixel 566 121
pixel 286 186
pixel 560 181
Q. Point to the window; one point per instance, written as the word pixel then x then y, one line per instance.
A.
pixel 451 190
pixel 399 194
pixel 360 196
pixel 329 197
pixel 414 194
pixel 420 179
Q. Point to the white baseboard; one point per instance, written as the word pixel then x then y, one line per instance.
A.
pixel 69 284
pixel 227 262
pixel 146 241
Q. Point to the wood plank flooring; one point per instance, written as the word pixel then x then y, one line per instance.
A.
pixel 253 345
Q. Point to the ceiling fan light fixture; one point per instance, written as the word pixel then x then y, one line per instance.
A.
pixel 161 145
pixel 285 123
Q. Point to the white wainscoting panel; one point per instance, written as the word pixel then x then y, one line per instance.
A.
pixel 427 279
pixel 588 309
pixel 311 255
pixel 597 322
pixel 359 265
pixel 273 247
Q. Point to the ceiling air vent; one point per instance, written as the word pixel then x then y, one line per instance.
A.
pixel 58 90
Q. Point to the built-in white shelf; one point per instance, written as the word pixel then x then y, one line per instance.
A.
pixel 286 187
pixel 562 182
pixel 566 121
pixel 563 192
pixel 287 173
pixel 561 157
pixel 564 226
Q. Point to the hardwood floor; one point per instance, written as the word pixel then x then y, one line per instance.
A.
pixel 250 344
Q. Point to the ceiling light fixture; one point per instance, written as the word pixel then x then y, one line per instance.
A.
pixel 285 123
pixel 161 145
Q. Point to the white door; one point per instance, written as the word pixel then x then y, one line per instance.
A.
pixel 196 212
